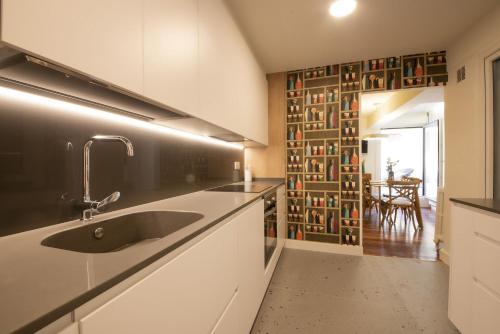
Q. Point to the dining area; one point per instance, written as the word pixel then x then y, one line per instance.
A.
pixel 395 223
pixel 390 197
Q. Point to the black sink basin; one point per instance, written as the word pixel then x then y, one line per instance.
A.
pixel 118 233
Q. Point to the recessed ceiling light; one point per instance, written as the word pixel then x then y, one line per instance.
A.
pixel 341 8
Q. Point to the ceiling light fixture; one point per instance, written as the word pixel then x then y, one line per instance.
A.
pixel 341 8
pixel 376 136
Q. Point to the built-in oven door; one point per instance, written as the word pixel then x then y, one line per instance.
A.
pixel 270 226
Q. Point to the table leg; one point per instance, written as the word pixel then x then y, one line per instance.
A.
pixel 379 206
pixel 419 213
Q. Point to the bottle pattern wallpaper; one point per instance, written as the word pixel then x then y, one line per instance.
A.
pixel 323 146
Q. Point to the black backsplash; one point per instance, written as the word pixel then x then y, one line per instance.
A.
pixel 41 165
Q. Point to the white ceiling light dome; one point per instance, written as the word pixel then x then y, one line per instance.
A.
pixel 341 8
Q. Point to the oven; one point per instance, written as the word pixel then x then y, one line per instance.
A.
pixel 270 226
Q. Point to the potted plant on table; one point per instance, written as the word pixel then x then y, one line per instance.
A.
pixel 389 167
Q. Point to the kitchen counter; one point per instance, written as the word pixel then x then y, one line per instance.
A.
pixel 40 284
pixel 491 205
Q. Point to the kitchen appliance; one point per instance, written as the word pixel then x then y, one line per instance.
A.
pixel 270 226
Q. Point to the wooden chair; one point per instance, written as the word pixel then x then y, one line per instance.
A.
pixel 417 200
pixel 369 201
pixel 403 196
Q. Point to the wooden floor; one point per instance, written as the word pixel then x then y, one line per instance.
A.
pixel 401 240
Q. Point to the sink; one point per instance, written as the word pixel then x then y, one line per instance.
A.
pixel 121 232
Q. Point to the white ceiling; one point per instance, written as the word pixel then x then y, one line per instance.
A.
pixel 293 34
pixel 412 113
pixel 371 101
pixel 408 120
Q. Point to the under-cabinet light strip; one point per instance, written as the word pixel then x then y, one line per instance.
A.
pixel 87 112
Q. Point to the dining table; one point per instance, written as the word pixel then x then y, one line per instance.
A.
pixel 380 184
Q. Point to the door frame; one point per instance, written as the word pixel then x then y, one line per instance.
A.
pixel 437 124
pixel 489 130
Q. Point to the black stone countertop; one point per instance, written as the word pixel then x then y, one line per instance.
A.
pixel 487 204
pixel 39 284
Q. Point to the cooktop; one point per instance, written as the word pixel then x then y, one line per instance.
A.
pixel 242 188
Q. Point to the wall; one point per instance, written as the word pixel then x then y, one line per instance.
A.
pixel 270 161
pixel 465 154
pixel 496 127
pixel 41 164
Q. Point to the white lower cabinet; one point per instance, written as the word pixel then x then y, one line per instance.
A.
pixel 216 286
pixel 71 329
pixel 187 295
pixel 250 264
pixel 228 322
pixel 486 308
pixel 474 300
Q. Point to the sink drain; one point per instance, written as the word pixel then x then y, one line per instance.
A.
pixel 99 233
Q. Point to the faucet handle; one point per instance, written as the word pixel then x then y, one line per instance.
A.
pixel 107 201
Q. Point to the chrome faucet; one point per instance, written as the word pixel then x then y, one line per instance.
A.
pixel 99 206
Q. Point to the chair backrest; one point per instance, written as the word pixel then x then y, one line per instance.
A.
pixel 405 189
pixel 367 188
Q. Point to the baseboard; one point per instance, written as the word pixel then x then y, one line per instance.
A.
pixel 324 247
pixel 444 256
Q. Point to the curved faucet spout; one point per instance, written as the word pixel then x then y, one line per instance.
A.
pixel 86 172
pixel 124 140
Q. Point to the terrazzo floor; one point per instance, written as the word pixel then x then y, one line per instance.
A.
pixel 314 292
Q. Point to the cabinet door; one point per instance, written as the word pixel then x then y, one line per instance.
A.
pixel 187 295
pixel 100 38
pixel 171 53
pixel 228 322
pixel 250 263
pixel 233 87
pixel 486 308
pixel 459 302
pixel 71 329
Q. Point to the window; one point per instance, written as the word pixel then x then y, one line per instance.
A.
pixel 406 146
pixel 431 160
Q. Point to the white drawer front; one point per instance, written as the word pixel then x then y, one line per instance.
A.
pixel 487 223
pixel 486 306
pixel 486 262
pixel 228 322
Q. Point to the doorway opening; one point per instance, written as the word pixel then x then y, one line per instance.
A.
pixel 402 165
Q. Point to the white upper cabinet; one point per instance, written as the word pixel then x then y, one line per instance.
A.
pixel 171 53
pixel 188 55
pixel 233 87
pixel 100 38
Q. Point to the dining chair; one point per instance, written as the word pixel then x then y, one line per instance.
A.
pixel 403 196
pixel 369 201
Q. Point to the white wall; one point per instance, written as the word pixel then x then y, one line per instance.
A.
pixel 372 159
pixel 465 174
